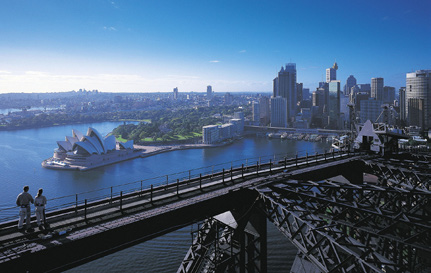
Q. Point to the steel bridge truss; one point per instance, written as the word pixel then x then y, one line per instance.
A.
pixel 344 227
pixel 228 244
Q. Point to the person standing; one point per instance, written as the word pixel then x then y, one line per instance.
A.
pixel 39 203
pixel 23 200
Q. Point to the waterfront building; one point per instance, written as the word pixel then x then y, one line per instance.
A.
pixel 238 126
pixel 350 82
pixel 331 73
pixel 402 103
pixel 418 98
pixel 264 110
pixel 210 134
pixel 175 93
pixel 278 112
pixel 285 87
pixel 333 107
pixel 377 88
pixel 226 131
pixel 256 112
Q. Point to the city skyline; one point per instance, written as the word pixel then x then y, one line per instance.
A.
pixel 54 46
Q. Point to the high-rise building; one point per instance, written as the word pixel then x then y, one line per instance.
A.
pixel 175 93
pixel 210 134
pixel 209 91
pixel 377 88
pixel 370 110
pixel 402 102
pixel 256 112
pixel 331 73
pixel 333 109
pixel 305 93
pixel 350 82
pixel 299 87
pixel 418 98
pixel 264 110
pixel 278 112
pixel 388 95
pixel 285 87
pixel 228 99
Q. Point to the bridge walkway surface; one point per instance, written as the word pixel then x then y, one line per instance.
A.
pixel 82 233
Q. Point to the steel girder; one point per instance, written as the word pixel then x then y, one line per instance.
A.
pixel 379 228
pixel 218 247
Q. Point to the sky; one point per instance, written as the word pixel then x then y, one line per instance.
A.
pixel 156 45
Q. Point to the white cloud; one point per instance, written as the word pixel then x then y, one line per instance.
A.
pixel 5 72
pixel 215 61
pixel 110 28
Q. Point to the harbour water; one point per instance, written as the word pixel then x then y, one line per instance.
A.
pixel 22 152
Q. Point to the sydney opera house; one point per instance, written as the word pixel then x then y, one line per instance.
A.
pixel 89 151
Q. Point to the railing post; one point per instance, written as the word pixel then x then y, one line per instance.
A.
pixel 270 163
pixel 111 195
pixel 306 158
pixel 141 189
pixel 223 175
pixel 285 163
pixel 296 159
pixel 257 167
pixel 333 156
pixel 325 155
pixel 85 210
pixel 178 186
pixel 189 176
pixel 242 170
pixel 231 177
pixel 212 172
pixel 200 181
pixel 316 156
pixel 76 202
pixel 121 201
pixel 151 194
pixel 167 180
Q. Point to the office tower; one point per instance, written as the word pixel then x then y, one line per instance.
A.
pixel 360 96
pixel 264 111
pixel 239 116
pixel 319 97
pixel 256 112
pixel 305 93
pixel 402 103
pixel 285 87
pixel 331 73
pixel 333 108
pixel 175 93
pixel 299 87
pixel 418 98
pixel 209 91
pixel 377 88
pixel 278 112
pixel 388 95
pixel 370 110
pixel 350 82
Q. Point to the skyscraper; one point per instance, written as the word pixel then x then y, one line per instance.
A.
pixel 388 95
pixel 175 93
pixel 278 112
pixel 256 113
pixel 209 91
pixel 350 82
pixel 264 110
pixel 402 101
pixel 418 98
pixel 334 105
pixel 285 87
pixel 331 73
pixel 377 88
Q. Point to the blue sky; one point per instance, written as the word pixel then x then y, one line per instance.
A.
pixel 156 45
